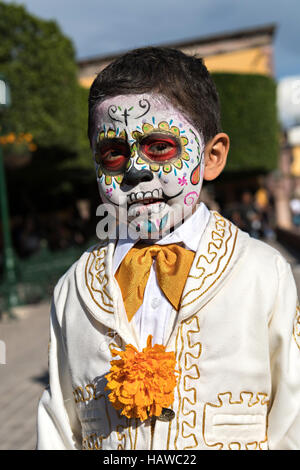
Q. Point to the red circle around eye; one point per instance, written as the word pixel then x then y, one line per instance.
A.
pixel 160 149
pixel 115 163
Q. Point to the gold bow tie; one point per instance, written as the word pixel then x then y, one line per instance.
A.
pixel 173 264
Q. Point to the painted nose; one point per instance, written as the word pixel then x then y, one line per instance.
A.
pixel 133 177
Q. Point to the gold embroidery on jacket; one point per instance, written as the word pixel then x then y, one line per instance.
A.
pixel 124 432
pixel 133 443
pixel 92 442
pixel 86 393
pixel 121 437
pixel 296 329
pixel 222 228
pixel 178 391
pixel 228 413
pixel 95 441
pixel 96 279
pixel 188 371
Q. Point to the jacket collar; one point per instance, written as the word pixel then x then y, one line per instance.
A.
pixel 220 249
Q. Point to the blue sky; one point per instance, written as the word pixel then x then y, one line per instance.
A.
pixel 98 27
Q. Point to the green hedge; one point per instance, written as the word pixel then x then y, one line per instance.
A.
pixel 249 117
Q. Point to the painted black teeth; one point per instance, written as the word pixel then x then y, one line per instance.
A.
pixel 159 196
pixel 142 196
pixel 146 201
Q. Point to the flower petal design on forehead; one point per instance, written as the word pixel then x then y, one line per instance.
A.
pixel 165 127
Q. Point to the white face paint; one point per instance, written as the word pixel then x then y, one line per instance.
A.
pixel 150 158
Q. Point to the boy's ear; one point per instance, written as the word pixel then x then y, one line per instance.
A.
pixel 215 155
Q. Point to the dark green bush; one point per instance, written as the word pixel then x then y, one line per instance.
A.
pixel 249 117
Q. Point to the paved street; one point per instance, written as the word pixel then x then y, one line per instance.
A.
pixel 24 375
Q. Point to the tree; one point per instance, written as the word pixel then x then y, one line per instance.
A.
pixel 39 63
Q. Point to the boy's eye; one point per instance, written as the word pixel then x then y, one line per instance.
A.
pixel 113 154
pixel 160 147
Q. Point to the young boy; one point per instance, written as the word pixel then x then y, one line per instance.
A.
pixel 221 307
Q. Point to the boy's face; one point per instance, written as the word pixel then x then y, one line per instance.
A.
pixel 149 159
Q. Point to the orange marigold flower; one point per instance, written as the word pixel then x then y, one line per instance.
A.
pixel 142 383
pixel 32 147
pixel 11 138
pixel 28 137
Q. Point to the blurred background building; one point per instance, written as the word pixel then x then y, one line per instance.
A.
pixel 243 51
pixel 288 103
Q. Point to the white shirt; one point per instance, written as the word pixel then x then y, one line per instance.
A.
pixel 154 317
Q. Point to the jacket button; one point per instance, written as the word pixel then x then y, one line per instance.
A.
pixel 166 415
pixel 155 303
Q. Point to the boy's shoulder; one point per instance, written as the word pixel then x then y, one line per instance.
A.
pixel 265 255
pixel 86 286
pixel 66 281
pixel 263 248
pixel 258 253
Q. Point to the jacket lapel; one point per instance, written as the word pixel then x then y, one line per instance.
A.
pixel 220 250
pixel 99 290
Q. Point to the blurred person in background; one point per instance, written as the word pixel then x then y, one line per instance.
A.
pixel 295 209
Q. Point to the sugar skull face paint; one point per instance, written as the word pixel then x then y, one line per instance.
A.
pixel 148 158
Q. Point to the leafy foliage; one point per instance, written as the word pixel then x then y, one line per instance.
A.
pixel 38 62
pixel 83 159
pixel 248 109
pixel 48 103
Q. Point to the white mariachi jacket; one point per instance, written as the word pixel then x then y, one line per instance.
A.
pixel 237 344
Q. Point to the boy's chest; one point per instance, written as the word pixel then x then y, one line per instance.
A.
pixel 220 340
pixel 223 384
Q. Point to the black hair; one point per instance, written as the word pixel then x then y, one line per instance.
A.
pixel 181 79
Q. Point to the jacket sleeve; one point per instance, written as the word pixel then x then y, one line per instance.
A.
pixel 284 330
pixel 58 426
